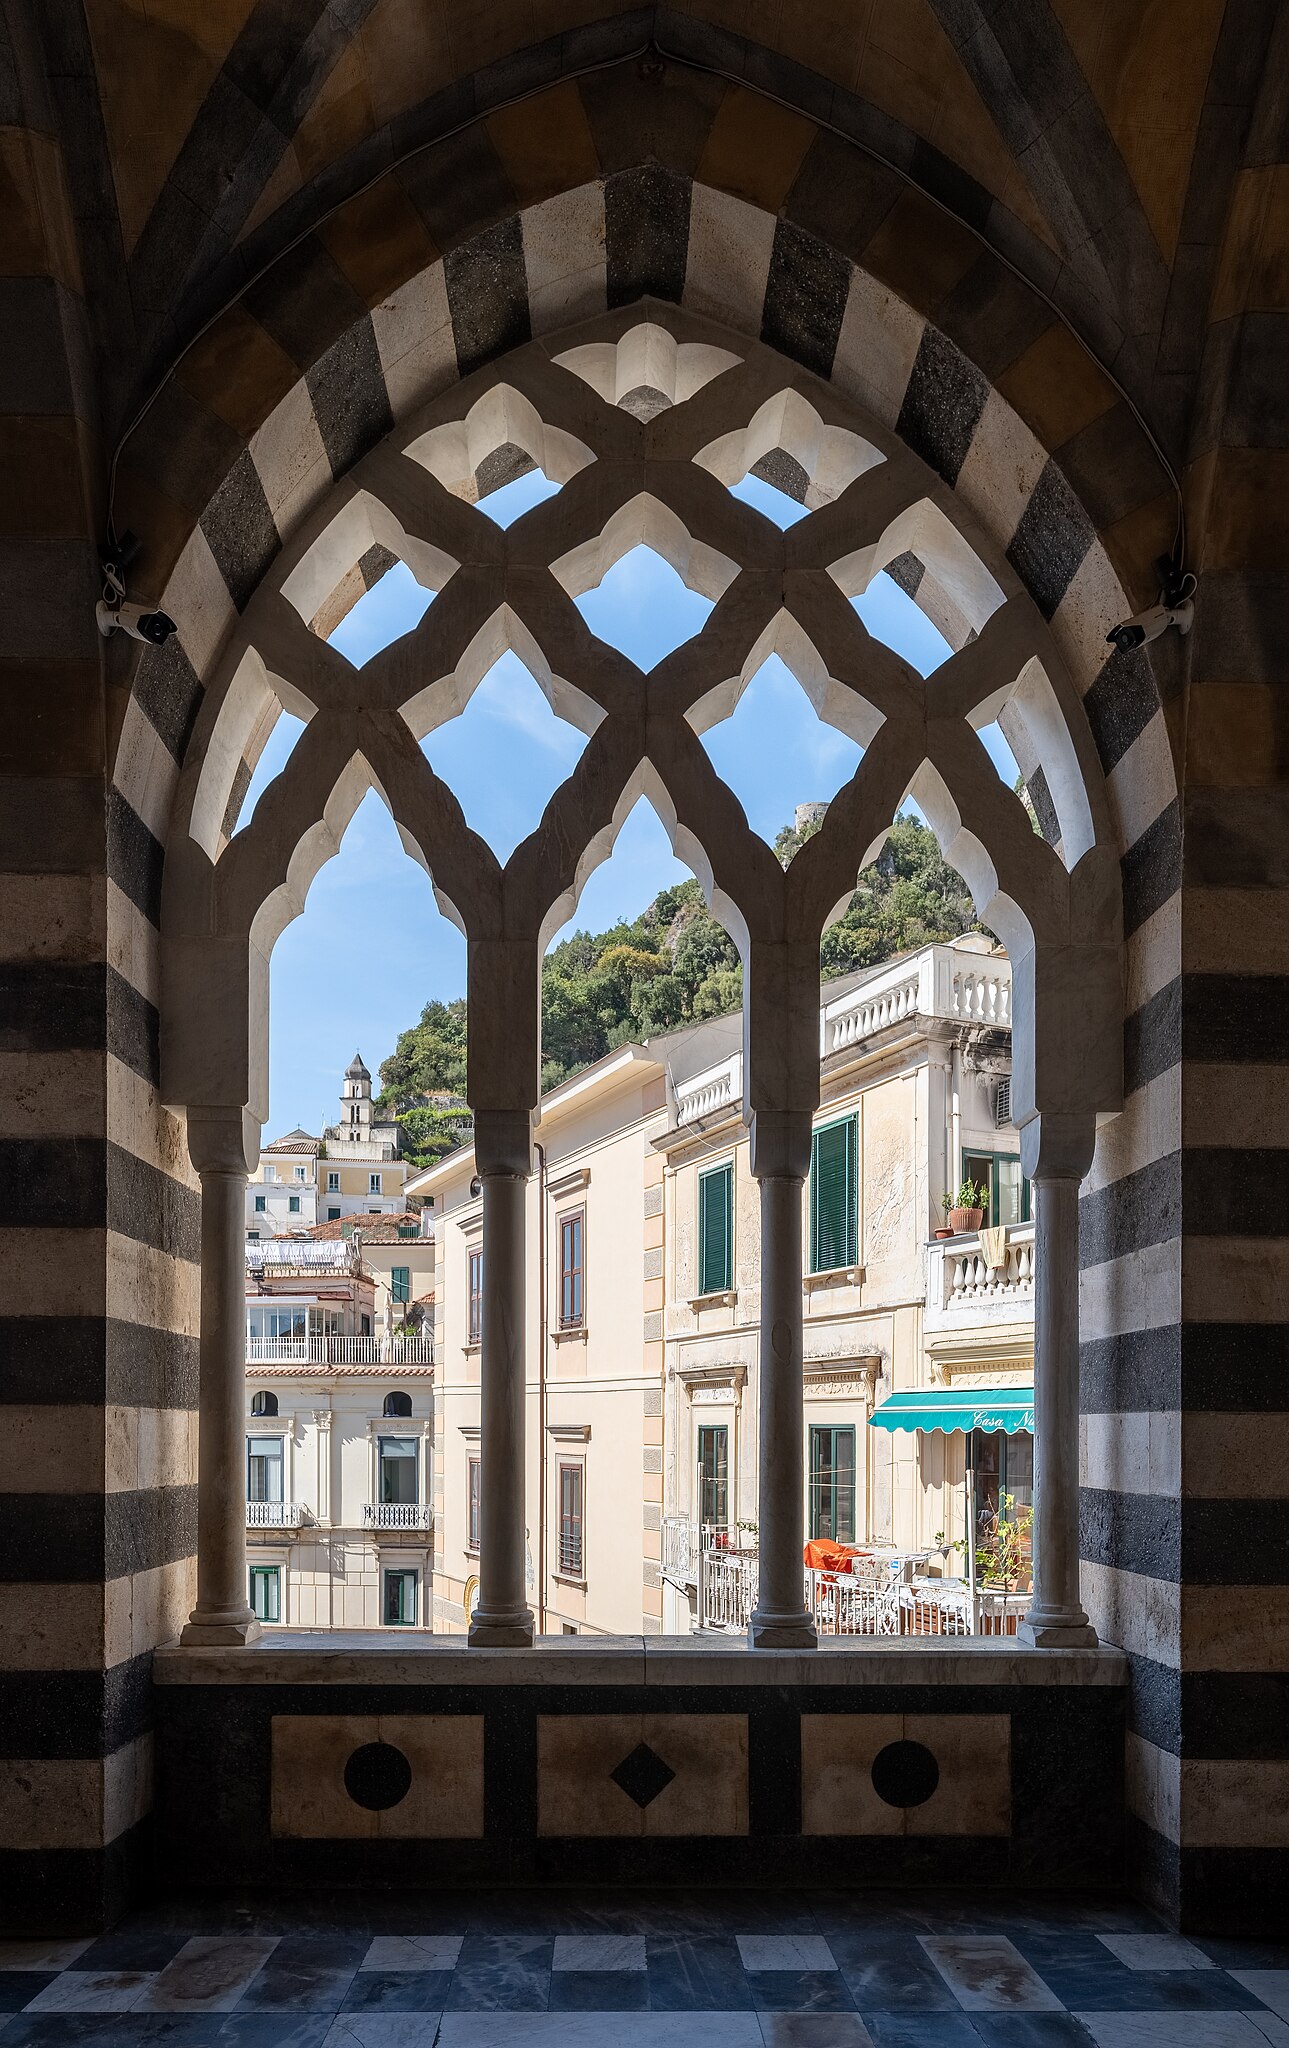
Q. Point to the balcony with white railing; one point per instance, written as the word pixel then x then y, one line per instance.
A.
pixel 964 1291
pixel 881 1597
pixel 940 981
pixel 339 1351
pixel 277 1514
pixel 715 1090
pixel 397 1514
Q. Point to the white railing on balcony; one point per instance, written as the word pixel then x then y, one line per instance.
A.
pixel 714 1089
pixel 876 1600
pixel 679 1550
pixel 397 1514
pixel 276 1514
pixel 964 1291
pixel 727 1583
pixel 325 1255
pixel 940 981
pixel 339 1351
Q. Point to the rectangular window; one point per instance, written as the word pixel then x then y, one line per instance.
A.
pixel 400 1283
pixel 571 1270
pixel 266 1592
pixel 1007 1188
pixel 713 1474
pixel 472 1526
pixel 398 1469
pixel 333 1183
pixel 270 1173
pixel 400 1599
pixel 333 1215
pixel 832 1484
pixel 261 1204
pixel 293 1204
pixel 299 1173
pixel 264 1468
pixel 373 1183
pixel 475 1323
pixel 834 1197
pixel 570 1520
pixel 716 1230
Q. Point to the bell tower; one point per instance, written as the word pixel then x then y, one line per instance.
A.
pixel 355 1104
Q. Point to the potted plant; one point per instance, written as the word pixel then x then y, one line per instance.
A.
pixel 946 1228
pixel 969 1206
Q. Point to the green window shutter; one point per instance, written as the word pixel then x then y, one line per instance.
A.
pixel 400 1279
pixel 716 1231
pixel 834 1197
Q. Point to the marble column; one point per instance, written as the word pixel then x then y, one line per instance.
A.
pixel 502 1618
pixel 1056 1618
pixel 780 1159
pixel 221 1146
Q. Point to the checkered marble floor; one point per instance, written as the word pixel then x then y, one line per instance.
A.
pixel 647 1970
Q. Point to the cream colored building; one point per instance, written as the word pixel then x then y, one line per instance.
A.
pixel 339 1444
pixel 643 1306
pixel 353 1170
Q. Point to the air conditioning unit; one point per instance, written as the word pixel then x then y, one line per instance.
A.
pixel 1003 1103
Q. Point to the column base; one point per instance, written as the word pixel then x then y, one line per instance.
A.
pixel 1057 1633
pixel 501 1631
pixel 212 1635
pixel 781 1632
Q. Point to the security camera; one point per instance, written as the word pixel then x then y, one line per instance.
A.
pixel 1148 625
pixel 140 621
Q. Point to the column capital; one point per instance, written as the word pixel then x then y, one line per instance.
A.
pixel 1057 1147
pixel 780 1143
pixel 503 1142
pixel 223 1140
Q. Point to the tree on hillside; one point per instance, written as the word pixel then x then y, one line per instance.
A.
pixel 672 965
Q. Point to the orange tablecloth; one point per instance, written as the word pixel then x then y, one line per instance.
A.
pixel 823 1555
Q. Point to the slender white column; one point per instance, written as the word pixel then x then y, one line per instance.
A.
pixel 781 1620
pixel 502 1618
pixel 1056 1618
pixel 223 1613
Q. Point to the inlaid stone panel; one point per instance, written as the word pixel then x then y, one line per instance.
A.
pixel 641 1774
pixel 905 1774
pixel 368 1776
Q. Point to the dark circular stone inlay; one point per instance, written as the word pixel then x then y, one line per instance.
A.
pixel 905 1774
pixel 377 1776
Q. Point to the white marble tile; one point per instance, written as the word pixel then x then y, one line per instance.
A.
pixel 92 1991
pixel 1157 1952
pixel 987 1973
pixel 599 1952
pixel 1271 1986
pixel 413 1952
pixel 209 1974
pixel 1271 2029
pixel 785 1952
pixel 41 1955
pixel 384 2030
pixel 594 2029
pixel 1172 2029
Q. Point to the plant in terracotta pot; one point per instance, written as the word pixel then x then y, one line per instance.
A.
pixel 969 1205
pixel 946 1228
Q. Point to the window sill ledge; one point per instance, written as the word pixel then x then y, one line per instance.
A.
pixel 725 1297
pixel 836 1276
pixel 577 1333
pixel 573 1585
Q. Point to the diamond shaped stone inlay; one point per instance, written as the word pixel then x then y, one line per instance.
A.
pixel 643 1775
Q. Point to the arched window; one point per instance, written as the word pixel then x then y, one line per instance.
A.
pixel 264 1403
pixel 398 1404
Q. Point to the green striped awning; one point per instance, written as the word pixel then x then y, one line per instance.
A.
pixel 987 1408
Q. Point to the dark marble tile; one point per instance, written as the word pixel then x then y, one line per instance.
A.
pixel 1244 1955
pixel 501 1973
pixel 168 2030
pixel 1030 2030
pixel 398 1991
pixel 1053 1949
pixel 334 1951
pixel 19 1987
pixel 920 2030
pixel 299 1987
pixel 799 1991
pixel 127 1950
pixel 814 2030
pixel 1085 1988
pixel 890 1973
pixel 701 1974
pixel 599 1991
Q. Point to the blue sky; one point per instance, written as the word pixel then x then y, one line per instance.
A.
pixel 371 947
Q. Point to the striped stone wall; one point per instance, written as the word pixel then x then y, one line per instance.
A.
pixel 685 192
